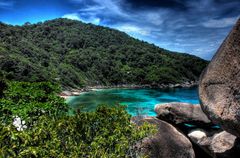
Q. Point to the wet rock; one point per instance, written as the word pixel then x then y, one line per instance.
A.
pixel 168 142
pixel 178 113
pixel 219 87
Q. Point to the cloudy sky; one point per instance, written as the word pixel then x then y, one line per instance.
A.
pixel 192 26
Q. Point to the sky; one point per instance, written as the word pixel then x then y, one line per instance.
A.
pixel 196 27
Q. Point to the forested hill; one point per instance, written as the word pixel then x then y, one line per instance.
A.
pixel 78 54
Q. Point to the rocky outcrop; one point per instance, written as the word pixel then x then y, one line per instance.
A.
pixel 220 145
pixel 186 84
pixel 219 87
pixel 168 142
pixel 178 113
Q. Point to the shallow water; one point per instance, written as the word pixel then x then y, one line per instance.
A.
pixel 138 101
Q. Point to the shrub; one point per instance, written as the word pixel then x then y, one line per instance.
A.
pixel 107 132
pixel 31 100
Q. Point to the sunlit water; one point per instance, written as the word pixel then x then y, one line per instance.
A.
pixel 138 101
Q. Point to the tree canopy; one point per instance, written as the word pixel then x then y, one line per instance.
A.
pixel 78 54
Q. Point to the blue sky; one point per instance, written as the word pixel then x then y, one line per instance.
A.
pixel 191 26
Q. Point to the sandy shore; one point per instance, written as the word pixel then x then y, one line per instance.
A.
pixel 75 92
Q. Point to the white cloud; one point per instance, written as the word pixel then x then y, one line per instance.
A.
pixel 154 17
pixel 191 30
pixel 133 29
pixel 92 9
pixel 102 7
pixel 75 16
pixel 220 23
pixel 95 21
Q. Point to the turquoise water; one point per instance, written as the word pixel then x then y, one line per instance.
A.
pixel 138 101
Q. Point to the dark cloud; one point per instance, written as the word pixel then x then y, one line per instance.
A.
pixel 173 4
pixel 226 1
pixel 193 26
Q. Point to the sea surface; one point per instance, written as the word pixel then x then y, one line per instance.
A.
pixel 137 101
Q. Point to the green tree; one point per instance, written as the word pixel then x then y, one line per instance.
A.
pixel 107 132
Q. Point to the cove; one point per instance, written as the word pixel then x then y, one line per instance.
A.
pixel 137 101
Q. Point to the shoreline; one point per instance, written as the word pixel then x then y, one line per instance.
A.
pixel 76 92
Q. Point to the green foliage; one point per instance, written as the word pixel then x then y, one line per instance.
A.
pixel 81 54
pixel 107 132
pixel 30 100
pixel 3 86
pixel 163 75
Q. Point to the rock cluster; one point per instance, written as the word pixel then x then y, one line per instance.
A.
pixel 175 139
pixel 211 129
pixel 222 144
pixel 186 84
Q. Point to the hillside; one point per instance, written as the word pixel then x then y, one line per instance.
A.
pixel 78 54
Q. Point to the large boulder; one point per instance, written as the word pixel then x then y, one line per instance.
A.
pixel 220 145
pixel 168 142
pixel 219 87
pixel 222 142
pixel 178 113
